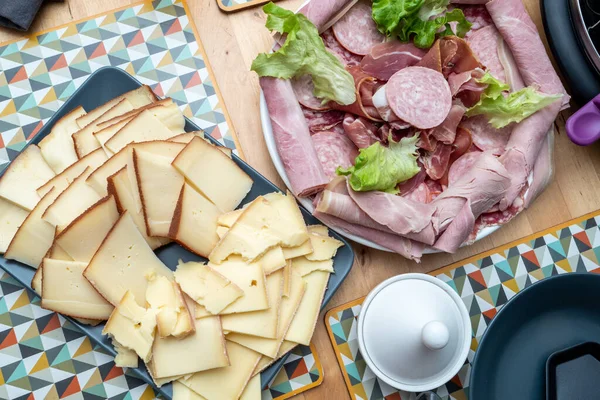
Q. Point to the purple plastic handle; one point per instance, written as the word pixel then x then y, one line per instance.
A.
pixel 583 127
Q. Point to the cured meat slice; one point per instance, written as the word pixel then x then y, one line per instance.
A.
pixel 436 162
pixel 477 15
pixel 347 58
pixel 462 166
pixel 542 170
pixel 323 11
pixel 485 43
pixel 366 86
pixel 356 31
pixel 446 132
pixel 303 89
pixel 334 150
pixel 419 96
pixel 360 130
pixel 292 138
pixel 485 136
pixel 450 54
pixel 421 194
pixel 465 87
pixel 385 59
pixel 322 121
pixel 408 186
pixel 511 70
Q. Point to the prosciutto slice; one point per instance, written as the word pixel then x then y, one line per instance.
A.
pixel 446 132
pixel 366 86
pixel 385 59
pixel 450 54
pixel 292 138
pixel 360 130
pixel 322 121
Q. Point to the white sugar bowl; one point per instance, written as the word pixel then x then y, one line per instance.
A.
pixel 414 332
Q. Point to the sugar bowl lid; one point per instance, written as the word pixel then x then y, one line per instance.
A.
pixel 414 332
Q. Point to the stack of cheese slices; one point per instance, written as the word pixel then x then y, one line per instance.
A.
pixel 88 206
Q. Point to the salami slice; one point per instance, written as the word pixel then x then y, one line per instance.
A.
pixel 356 31
pixel 303 89
pixel 419 96
pixel 322 120
pixel 485 136
pixel 334 150
pixel 347 58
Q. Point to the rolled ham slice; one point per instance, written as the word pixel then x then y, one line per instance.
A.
pixel 334 150
pixel 321 12
pixel 356 31
pixel 385 59
pixel 419 96
pixel 292 138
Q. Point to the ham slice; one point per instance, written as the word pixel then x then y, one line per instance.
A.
pixel 485 43
pixel 292 138
pixel 321 12
pixel 511 70
pixel 436 162
pixel 303 89
pixel 485 136
pixel 385 59
pixel 462 166
pixel 543 170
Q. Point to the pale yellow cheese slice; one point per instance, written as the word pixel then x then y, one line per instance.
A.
pixel 182 392
pixel 221 231
pixel 248 277
pixel 194 223
pixel 23 176
pixel 319 230
pixel 84 139
pixel 259 323
pixel 12 218
pixel 36 282
pixel 293 252
pixel 64 179
pixel 122 263
pixel 65 290
pixel 57 253
pixel 268 361
pixel 171 116
pixel 228 219
pixel 57 148
pixel 82 238
pixel 253 390
pixel 143 127
pixel 120 187
pixel 202 350
pixel 187 137
pixel 206 286
pixel 71 203
pixel 104 134
pixel 303 266
pixel 172 315
pixel 125 357
pixel 303 325
pixel 324 247
pixel 136 111
pixel 273 260
pixel 132 326
pixel 288 307
pixel 159 185
pixel 35 236
pixel 227 382
pixel 226 187
pixel 270 220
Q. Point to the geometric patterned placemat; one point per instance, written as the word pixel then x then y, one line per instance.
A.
pixel 236 5
pixel 156 42
pixel 44 356
pixel 485 283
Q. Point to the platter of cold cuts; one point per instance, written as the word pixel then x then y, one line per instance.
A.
pixel 413 126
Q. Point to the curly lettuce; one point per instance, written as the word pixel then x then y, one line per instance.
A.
pixel 304 53
pixel 382 168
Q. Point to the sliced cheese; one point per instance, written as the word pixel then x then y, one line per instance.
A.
pixel 319 230
pixel 84 139
pixel 226 383
pixel 65 290
pixel 273 260
pixel 265 361
pixel 221 231
pixel 122 263
pixel 82 238
pixel 103 135
pixel 172 315
pixel 288 307
pixel 248 277
pixel 125 357
pixel 119 186
pixel 134 112
pixel 182 392
pixel 202 350
pixel 303 325
pixel 253 390
pixel 303 266
pixel 12 217
pixel 35 236
pixel 159 185
pixel 138 98
pixel 132 326
pixel 36 282
pixel 171 116
pixel 23 176
pixel 143 127
pixel 226 187
pixel 228 219
pixel 71 203
pixel 187 137
pixel 57 253
pixel 57 148
pixel 194 223
pixel 293 252
pixel 259 323
pixel 324 247
pixel 64 179
pixel 206 286
pixel 269 221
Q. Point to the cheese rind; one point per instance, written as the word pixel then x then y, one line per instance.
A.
pixel 57 148
pixel 122 263
pixel 65 290
pixel 12 217
pixel 103 135
pixel 23 176
pixel 303 266
pixel 248 277
pixel 227 188
pixel 172 315
pixel 253 390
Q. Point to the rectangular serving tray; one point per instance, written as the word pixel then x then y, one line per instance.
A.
pixel 103 85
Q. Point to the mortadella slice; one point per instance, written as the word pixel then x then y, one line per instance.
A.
pixel 334 150
pixel 356 31
pixel 292 138
pixel 385 59
pixel 419 96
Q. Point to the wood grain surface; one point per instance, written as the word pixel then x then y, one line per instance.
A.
pixel 233 40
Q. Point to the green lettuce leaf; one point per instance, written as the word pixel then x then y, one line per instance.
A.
pixel 381 168
pixel 423 32
pixel 387 14
pixel 503 109
pixel 304 53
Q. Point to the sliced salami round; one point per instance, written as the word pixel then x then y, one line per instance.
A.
pixel 485 136
pixel 334 150
pixel 356 31
pixel 419 96
pixel 303 89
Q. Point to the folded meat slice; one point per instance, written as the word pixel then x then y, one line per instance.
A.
pixel 366 86
pixel 471 195
pixel 385 59
pixel 437 162
pixel 322 120
pixel 292 138
pixel 465 87
pixel 485 43
pixel 322 12
pixel 485 136
pixel 543 169
pixel 446 132
pixel 360 130
pixel 450 54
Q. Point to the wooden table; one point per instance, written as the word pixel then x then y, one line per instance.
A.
pixel 233 40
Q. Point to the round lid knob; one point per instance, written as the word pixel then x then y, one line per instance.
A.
pixel 435 335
